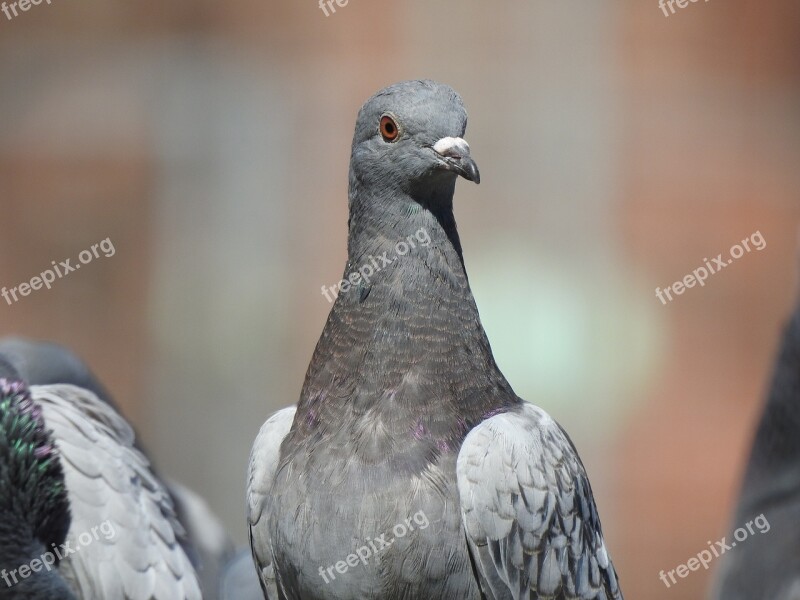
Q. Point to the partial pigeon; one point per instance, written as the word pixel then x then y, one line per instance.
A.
pixel 206 542
pixel 763 558
pixel 410 468
pixel 239 579
pixel 123 534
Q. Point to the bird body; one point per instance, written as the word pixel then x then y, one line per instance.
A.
pixel 385 415
pixel 399 443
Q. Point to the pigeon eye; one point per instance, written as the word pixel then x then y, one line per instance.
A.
pixel 389 129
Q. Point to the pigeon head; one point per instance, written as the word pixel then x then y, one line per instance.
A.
pixel 409 138
pixel 7 370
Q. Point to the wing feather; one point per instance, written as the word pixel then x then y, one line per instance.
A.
pixel 123 522
pixel 261 474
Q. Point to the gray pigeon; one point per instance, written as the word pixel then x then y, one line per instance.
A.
pixel 761 559
pixel 206 542
pixel 410 469
pixel 123 534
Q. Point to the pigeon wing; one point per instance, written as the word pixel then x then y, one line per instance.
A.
pixel 124 529
pixel 261 474
pixel 528 512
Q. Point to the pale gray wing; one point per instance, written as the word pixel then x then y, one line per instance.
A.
pixel 261 474
pixel 528 512
pixel 123 532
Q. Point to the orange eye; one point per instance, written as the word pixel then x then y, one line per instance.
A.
pixel 389 130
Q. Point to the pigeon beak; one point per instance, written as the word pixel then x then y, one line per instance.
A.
pixel 454 153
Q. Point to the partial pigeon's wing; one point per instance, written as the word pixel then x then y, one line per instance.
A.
pixel 261 474
pixel 528 511
pixel 44 363
pixel 123 532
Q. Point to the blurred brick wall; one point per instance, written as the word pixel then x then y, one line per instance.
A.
pixel 711 155
pixel 54 207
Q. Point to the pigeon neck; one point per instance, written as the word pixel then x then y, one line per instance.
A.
pixel 405 247
pixel 405 331
pixel 381 223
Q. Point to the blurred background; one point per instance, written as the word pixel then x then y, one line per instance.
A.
pixel 619 148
